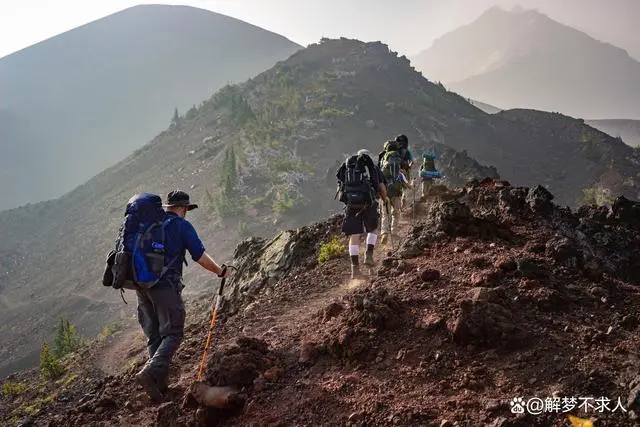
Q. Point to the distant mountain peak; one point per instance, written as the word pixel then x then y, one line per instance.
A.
pixel 524 58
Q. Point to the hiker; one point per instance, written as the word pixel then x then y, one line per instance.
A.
pixel 381 154
pixel 360 184
pixel 161 311
pixel 428 168
pixel 407 159
pixel 397 181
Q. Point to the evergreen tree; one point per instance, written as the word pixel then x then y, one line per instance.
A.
pixel 66 339
pixel 50 367
pixel 175 121
pixel 229 202
pixel 192 112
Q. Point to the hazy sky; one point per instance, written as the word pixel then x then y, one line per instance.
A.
pixel 408 26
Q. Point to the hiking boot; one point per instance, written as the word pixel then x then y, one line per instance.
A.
pixel 355 272
pixel 163 384
pixel 368 258
pixel 149 384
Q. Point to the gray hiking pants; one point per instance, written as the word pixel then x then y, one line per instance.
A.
pixel 161 314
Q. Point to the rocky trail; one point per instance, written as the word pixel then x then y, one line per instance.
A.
pixel 494 300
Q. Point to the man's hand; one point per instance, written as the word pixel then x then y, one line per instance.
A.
pixel 220 270
pixel 225 271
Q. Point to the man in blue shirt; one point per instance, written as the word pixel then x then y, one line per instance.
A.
pixel 161 310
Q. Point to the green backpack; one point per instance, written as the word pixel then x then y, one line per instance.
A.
pixel 428 164
pixel 391 169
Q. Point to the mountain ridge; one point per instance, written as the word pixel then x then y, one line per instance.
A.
pixel 628 130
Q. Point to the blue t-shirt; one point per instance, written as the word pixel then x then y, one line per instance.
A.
pixel 181 237
pixel 409 155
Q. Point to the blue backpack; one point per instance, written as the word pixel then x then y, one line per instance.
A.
pixel 139 257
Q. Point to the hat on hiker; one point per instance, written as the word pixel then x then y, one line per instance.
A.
pixel 364 151
pixel 179 198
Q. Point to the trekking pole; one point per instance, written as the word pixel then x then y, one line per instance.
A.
pixel 214 318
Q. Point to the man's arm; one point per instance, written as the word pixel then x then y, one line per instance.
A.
pixel 195 247
pixel 379 184
pixel 382 191
pixel 208 263
pixel 405 182
pixel 410 158
pixel 340 173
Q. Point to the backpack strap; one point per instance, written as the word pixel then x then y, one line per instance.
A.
pixel 367 171
pixel 166 222
pixel 370 168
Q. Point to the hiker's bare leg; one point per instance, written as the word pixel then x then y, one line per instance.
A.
pixel 385 222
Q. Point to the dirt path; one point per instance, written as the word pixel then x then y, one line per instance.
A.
pixel 118 351
pixel 294 314
pixel 122 348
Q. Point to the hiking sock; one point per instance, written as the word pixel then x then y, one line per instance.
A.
pixel 371 239
pixel 354 251
pixel 371 242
